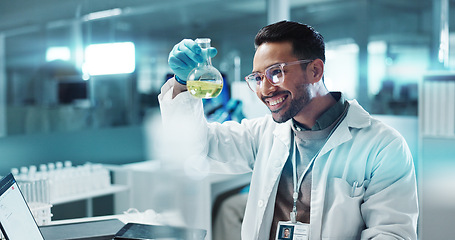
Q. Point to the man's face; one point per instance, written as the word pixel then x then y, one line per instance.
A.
pixel 286 100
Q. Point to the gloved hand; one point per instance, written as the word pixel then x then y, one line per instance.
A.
pixel 185 56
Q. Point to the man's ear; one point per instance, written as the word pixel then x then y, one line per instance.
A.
pixel 316 70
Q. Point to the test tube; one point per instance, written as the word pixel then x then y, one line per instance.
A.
pixel 23 173
pixel 43 169
pixel 33 184
pixel 68 164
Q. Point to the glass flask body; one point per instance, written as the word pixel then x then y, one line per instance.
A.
pixel 204 81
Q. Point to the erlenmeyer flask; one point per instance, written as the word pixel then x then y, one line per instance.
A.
pixel 205 81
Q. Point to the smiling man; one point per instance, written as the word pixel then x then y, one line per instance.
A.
pixel 302 97
pixel 321 164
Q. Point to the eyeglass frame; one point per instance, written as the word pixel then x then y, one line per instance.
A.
pixel 281 65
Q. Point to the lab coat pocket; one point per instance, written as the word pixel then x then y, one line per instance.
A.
pixel 343 217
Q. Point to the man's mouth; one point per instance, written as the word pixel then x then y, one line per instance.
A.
pixel 275 103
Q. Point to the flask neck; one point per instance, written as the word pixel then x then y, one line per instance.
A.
pixel 207 59
pixel 204 43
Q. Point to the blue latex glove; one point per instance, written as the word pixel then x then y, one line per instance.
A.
pixel 185 56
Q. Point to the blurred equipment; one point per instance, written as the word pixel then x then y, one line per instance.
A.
pixel 56 182
pixel 58 82
pixel 59 183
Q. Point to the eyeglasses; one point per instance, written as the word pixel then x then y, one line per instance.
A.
pixel 274 74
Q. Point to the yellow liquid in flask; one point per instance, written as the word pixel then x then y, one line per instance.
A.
pixel 204 89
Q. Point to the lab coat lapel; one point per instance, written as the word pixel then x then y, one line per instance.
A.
pixel 283 132
pixel 356 117
pixel 278 157
pixel 279 152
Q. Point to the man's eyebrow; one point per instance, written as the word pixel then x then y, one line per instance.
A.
pixel 273 64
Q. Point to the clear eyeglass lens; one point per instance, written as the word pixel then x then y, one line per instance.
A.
pixel 253 80
pixel 257 80
pixel 274 74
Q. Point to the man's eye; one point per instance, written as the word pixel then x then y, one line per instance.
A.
pixel 275 71
pixel 258 78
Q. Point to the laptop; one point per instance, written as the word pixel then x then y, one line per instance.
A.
pixel 16 219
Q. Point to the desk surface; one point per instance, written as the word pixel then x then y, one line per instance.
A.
pixel 133 216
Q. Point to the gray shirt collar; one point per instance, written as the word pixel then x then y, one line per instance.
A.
pixel 328 117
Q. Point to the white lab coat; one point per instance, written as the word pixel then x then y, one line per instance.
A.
pixel 361 151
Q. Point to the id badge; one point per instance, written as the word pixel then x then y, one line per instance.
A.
pixel 292 231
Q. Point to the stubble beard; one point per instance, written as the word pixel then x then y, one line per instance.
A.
pixel 295 106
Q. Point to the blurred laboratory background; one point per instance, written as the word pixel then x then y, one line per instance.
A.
pixel 79 81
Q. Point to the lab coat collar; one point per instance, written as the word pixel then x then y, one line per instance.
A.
pixel 356 117
pixel 283 132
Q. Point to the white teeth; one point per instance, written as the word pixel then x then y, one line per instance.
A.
pixel 273 103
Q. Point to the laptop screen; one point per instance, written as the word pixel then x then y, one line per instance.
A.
pixel 16 220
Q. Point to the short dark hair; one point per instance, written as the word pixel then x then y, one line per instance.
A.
pixel 307 43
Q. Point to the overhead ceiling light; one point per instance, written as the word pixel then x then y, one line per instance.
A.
pixel 102 14
pixel 109 58
pixel 58 53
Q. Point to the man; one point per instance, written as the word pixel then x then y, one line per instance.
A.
pixel 286 233
pixel 320 163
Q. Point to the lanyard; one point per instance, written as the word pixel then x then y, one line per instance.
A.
pixel 295 195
